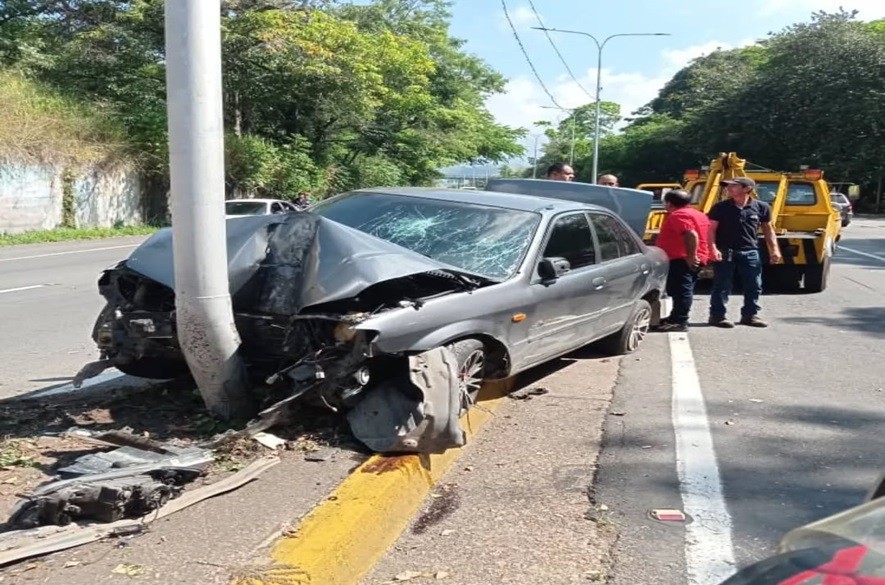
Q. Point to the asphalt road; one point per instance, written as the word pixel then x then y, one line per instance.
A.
pixel 48 304
pixel 796 413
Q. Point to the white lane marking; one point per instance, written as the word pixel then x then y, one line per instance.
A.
pixel 69 252
pixel 20 288
pixel 107 376
pixel 709 551
pixel 867 254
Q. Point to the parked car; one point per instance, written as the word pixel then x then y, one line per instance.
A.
pixel 337 302
pixel 240 207
pixel 848 547
pixel 843 204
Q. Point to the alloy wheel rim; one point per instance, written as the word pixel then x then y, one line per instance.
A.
pixel 469 377
pixel 639 330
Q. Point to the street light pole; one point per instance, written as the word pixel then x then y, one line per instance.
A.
pixel 599 48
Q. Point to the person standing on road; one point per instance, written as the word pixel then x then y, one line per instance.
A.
pixel 734 225
pixel 607 180
pixel 684 237
pixel 560 172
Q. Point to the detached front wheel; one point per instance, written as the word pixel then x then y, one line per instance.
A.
pixel 631 335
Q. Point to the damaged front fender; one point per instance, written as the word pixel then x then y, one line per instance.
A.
pixel 418 412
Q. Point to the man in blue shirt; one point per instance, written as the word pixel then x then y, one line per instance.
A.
pixel 734 225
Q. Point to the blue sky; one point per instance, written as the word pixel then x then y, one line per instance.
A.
pixel 633 68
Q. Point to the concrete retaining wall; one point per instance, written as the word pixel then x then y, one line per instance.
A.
pixel 31 197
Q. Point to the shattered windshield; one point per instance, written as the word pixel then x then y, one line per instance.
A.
pixel 488 241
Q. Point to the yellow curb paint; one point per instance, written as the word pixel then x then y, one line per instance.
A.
pixel 343 538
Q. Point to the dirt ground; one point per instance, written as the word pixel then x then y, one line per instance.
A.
pixel 33 444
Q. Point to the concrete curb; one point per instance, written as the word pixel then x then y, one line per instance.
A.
pixel 342 538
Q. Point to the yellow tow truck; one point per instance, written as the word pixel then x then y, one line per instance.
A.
pixel 805 221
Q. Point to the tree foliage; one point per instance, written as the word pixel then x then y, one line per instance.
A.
pixel 813 93
pixel 319 94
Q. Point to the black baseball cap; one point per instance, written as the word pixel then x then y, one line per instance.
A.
pixel 743 181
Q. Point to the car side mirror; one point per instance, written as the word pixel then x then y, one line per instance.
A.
pixel 553 268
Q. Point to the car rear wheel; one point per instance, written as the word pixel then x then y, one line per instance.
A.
pixel 471 357
pixel 630 337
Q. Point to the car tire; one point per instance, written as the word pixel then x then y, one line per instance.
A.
pixel 630 337
pixel 816 277
pixel 471 359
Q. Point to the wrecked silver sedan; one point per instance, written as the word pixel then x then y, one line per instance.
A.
pixel 394 304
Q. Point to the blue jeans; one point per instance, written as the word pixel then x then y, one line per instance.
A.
pixel 748 265
pixel 680 287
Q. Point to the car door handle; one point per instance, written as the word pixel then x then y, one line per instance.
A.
pixel 598 283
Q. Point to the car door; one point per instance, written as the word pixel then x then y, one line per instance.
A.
pixel 623 266
pixel 564 316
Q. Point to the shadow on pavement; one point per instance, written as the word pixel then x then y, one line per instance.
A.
pixel 867 320
pixel 781 466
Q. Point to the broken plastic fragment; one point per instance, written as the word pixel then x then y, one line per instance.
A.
pixel 419 413
pixel 668 515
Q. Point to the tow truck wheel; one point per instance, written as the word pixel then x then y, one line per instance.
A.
pixel 816 277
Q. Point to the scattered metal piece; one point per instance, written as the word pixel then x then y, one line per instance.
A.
pixel 269 440
pixel 91 370
pixel 321 455
pixel 528 393
pixel 23 544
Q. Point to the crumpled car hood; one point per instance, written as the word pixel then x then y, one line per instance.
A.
pixel 316 260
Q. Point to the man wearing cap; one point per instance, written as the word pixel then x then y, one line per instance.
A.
pixel 734 247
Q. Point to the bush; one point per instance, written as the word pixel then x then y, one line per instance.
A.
pixel 258 168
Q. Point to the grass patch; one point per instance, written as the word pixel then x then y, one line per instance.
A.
pixel 12 455
pixel 42 125
pixel 69 234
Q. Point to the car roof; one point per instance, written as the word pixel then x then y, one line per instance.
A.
pixel 513 201
pixel 250 200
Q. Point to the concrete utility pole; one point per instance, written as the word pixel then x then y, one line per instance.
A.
pixel 205 323
pixel 599 48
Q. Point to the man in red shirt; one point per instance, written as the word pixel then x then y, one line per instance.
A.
pixel 684 237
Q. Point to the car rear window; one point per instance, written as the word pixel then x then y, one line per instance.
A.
pixel 488 241
pixel 245 207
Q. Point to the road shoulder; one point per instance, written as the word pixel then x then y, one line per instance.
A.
pixel 516 507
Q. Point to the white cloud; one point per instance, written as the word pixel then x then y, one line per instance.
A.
pixel 867 9
pixel 522 102
pixel 522 17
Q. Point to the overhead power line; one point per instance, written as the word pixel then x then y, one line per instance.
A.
pixel 526 55
pixel 558 54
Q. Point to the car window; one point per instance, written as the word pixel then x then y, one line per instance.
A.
pixel 797 193
pixel 615 239
pixel 572 239
pixel 484 240
pixel 767 191
pixel 276 208
pixel 801 194
pixel 245 207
